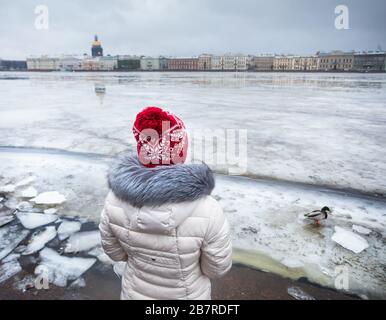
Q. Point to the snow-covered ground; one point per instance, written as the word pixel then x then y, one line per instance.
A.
pixel 266 217
pixel 316 128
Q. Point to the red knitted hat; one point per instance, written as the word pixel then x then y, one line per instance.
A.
pixel 161 137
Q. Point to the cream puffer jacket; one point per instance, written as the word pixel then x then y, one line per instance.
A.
pixel 163 222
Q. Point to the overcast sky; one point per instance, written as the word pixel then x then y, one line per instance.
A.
pixel 190 27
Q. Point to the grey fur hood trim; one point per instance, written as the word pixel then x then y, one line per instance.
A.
pixel 140 186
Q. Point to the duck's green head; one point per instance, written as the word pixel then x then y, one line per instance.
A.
pixel 326 210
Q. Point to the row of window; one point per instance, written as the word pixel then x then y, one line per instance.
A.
pixel 342 60
pixel 337 66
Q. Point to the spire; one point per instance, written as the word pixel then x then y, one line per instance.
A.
pixel 96 48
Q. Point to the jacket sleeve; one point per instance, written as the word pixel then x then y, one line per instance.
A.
pixel 110 243
pixel 216 251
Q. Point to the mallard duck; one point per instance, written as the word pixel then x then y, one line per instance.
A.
pixel 318 215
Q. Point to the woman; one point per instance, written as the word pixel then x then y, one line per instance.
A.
pixel 159 216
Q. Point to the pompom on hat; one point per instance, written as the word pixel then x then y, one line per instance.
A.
pixel 161 137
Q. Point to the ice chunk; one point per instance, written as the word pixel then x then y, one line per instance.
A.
pixel 83 241
pixel 30 192
pixel 51 211
pixel 49 198
pixel 9 188
pixel 60 269
pixel 6 212
pixel 20 248
pixel 6 219
pixel 10 257
pixel 101 255
pixel 78 283
pixel 292 263
pixel 34 220
pixel 39 240
pixel 349 240
pixel 10 237
pixel 361 230
pixel 8 269
pixel 26 181
pixel 26 283
pixel 119 268
pixel 67 228
pixel 25 206
pixel 299 294
pixel 11 203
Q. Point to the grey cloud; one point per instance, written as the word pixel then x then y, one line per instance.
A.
pixel 190 27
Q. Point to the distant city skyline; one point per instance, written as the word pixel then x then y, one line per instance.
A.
pixel 190 27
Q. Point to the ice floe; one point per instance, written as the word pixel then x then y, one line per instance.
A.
pixel 101 255
pixel 11 203
pixel 39 240
pixel 349 240
pixel 9 188
pixel 78 283
pixel 25 206
pixel 30 192
pixel 6 219
pixel 28 282
pixel 50 211
pixel 83 241
pixel 10 257
pixel 61 269
pixel 361 230
pixel 119 268
pixel 26 181
pixel 33 220
pixel 10 237
pixel 298 294
pixel 67 228
pixel 49 198
pixel 9 267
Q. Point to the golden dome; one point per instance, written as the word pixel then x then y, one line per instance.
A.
pixel 96 42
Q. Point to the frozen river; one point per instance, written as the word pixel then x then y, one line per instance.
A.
pixel 325 129
pixel 313 140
